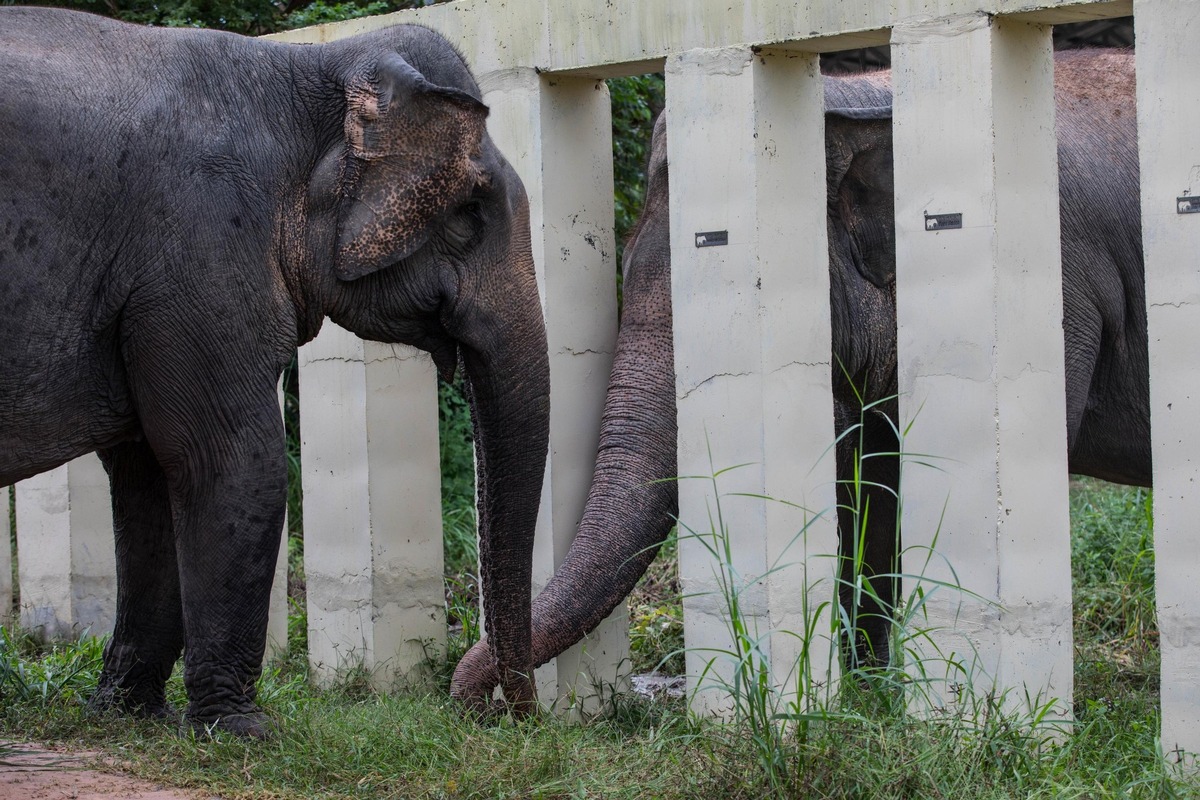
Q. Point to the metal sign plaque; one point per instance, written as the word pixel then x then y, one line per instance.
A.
pixel 712 238
pixel 942 222
pixel 1187 205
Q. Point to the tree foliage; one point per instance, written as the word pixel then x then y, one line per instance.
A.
pixel 636 102
pixel 250 17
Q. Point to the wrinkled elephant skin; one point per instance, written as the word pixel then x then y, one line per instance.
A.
pixel 181 209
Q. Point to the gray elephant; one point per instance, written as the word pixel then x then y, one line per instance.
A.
pixel 628 515
pixel 181 209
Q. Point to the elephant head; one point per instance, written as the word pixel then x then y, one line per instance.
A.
pixel 425 241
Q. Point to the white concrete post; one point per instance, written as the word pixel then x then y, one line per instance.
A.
pixel 372 507
pixel 1168 108
pixel 65 553
pixel 981 354
pixel 752 350
pixel 6 548
pixel 277 613
pixel 556 132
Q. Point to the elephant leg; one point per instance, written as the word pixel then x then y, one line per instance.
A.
pixel 1082 333
pixel 228 512
pixel 148 636
pixel 868 473
pixel 208 406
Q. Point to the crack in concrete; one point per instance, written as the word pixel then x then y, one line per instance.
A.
pixel 585 352
pixel 712 378
pixel 342 359
pixel 357 360
pixel 782 367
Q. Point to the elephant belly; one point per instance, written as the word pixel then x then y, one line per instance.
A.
pixel 57 409
pixel 1114 441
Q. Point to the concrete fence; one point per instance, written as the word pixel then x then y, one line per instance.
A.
pixel 972 82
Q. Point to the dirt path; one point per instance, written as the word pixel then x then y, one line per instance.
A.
pixel 32 772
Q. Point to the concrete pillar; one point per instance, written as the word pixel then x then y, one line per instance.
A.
pixel 752 350
pixel 372 507
pixel 556 132
pixel 1168 108
pixel 66 558
pixel 6 551
pixel 277 614
pixel 981 356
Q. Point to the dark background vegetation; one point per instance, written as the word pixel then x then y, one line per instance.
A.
pixel 249 17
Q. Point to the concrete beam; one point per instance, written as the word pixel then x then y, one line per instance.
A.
pixel 637 30
pixel 1168 109
pixel 554 36
pixel 752 351
pixel 981 353
pixel 66 557
pixel 1050 14
pixel 556 132
pixel 372 507
pixel 494 34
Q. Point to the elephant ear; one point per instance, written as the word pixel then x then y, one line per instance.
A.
pixel 839 151
pixel 860 191
pixel 412 153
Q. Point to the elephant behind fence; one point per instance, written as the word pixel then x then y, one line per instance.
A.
pixel 631 508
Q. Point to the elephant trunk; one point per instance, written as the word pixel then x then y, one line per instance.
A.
pixel 508 380
pixel 633 500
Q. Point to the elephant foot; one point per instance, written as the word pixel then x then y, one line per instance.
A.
pixel 872 645
pixel 255 725
pixel 113 700
pixel 127 686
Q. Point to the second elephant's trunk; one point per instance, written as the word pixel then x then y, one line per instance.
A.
pixel 633 501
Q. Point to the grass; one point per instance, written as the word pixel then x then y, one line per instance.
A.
pixel 351 741
pixel 656 615
pixel 1116 639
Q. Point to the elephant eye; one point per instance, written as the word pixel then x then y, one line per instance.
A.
pixel 473 211
pixel 462 226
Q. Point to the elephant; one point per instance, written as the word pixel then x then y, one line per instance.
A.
pixel 633 504
pixel 181 210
